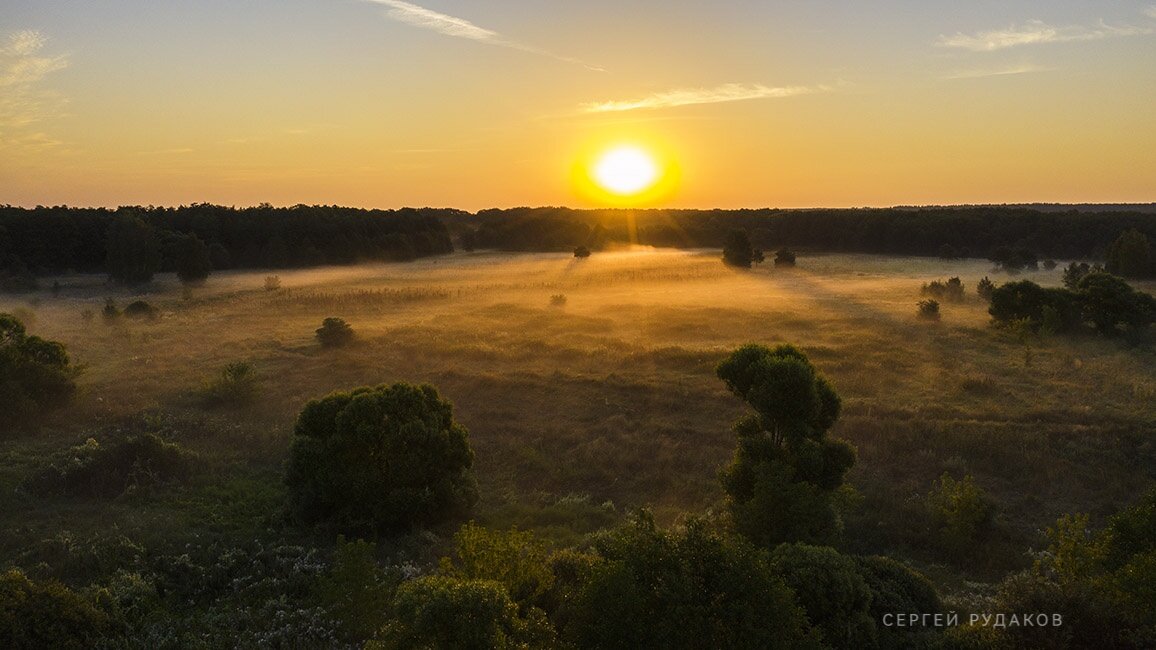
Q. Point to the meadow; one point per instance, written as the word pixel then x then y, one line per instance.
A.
pixel 584 408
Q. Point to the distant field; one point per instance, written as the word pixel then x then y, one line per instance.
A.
pixel 612 396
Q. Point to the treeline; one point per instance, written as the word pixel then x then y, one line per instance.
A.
pixel 60 239
pixel 948 232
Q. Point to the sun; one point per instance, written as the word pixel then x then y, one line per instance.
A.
pixel 625 171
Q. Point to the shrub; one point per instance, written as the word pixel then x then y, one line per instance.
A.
pixel 581 252
pixel 110 312
pixel 1110 303
pixel 961 513
pixel 36 375
pixel 1026 301
pixel 894 589
pixel 141 309
pixel 356 590
pixel 1076 272
pixel 985 288
pixel 784 257
pixel 47 615
pixel 785 470
pixel 689 589
pixel 831 590
pixel 952 289
pixel 515 559
pixel 928 309
pixel 380 458
pixel 334 333
pixel 272 282
pixel 558 300
pixel 110 470
pixel 1014 260
pixel 236 384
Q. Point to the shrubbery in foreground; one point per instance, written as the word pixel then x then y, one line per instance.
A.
pixel 35 375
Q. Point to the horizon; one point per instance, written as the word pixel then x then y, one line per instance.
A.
pixel 441 102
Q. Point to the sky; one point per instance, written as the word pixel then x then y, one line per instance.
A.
pixel 502 103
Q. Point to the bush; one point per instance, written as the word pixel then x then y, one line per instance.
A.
pixel 1014 260
pixel 1110 304
pixel 961 514
pixel 581 252
pixel 47 615
pixel 110 470
pixel 334 333
pixel 1028 302
pixel 689 589
pixel 380 458
pixel 558 300
pixel 141 309
pixel 831 590
pixel 952 290
pixel 235 385
pixel 896 589
pixel 110 313
pixel 272 282
pixel 785 471
pixel 35 375
pixel 1049 265
pixel 355 589
pixel 927 309
pixel 1076 272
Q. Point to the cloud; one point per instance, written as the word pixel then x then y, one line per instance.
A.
pixel 1036 32
pixel 23 103
pixel 412 14
pixel 1023 68
pixel 690 96
pixel 1150 11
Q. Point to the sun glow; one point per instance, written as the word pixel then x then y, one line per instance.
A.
pixel 625 171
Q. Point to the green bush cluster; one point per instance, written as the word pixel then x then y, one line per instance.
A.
pixel 109 470
pixel 1104 301
pixel 235 385
pixel 36 375
pixel 334 333
pixel 952 289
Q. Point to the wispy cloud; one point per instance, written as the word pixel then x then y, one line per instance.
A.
pixel 1036 32
pixel 1023 68
pixel 1150 11
pixel 417 16
pixel 23 103
pixel 689 96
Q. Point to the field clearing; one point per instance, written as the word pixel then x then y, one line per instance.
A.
pixel 610 398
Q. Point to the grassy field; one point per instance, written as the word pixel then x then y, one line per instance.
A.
pixel 581 411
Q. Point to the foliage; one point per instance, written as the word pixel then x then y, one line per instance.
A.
pixel 47 615
pixel 581 252
pixel 1049 265
pixel 1130 256
pixel 355 589
pixel 1029 302
pixel 515 559
pixel 951 290
pixel 689 589
pixel 133 250
pixel 783 257
pixel 894 589
pixel 1076 272
pixel 36 375
pixel 927 309
pixel 141 309
pixel 831 590
pixel 1109 303
pixel 334 333
pixel 737 250
pixel 443 612
pixel 110 312
pixel 1014 260
pixel 781 481
pixel 558 300
pixel 236 384
pixel 109 470
pixel 380 458
pixel 272 282
pixel 985 288
pixel 193 261
pixel 961 514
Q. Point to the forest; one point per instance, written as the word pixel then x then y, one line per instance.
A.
pixel 610 446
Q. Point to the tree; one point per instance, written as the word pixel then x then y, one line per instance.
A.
pixel 334 332
pixel 689 589
pixel 133 250
pixel 785 471
pixel 784 257
pixel 737 249
pixel 380 458
pixel 1029 303
pixel 831 590
pixel 1076 272
pixel 193 261
pixel 1130 256
pixel 581 251
pixel 1109 302
pixel 35 375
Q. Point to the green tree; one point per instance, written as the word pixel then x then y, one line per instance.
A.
pixel 444 613
pixel 35 375
pixel 380 458
pixel 334 332
pixel 831 590
pixel 193 260
pixel 133 250
pixel 781 483
pixel 1109 303
pixel 1030 303
pixel 1130 256
pixel 689 589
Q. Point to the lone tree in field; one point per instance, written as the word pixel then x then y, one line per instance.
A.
pixel 737 250
pixel 334 333
pixel 133 251
pixel 381 458
pixel 193 260
pixel 785 470
pixel 35 374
